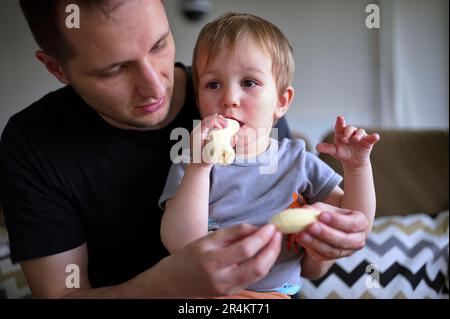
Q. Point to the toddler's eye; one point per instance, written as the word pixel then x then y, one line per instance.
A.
pixel 213 85
pixel 249 83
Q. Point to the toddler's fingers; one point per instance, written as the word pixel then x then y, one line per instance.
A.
pixel 358 135
pixel 340 125
pixel 369 140
pixel 212 122
pixel 218 122
pixel 207 124
pixel 348 132
pixel 326 148
pixel 222 121
pixel 234 140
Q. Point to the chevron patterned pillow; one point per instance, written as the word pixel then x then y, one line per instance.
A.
pixel 13 284
pixel 404 257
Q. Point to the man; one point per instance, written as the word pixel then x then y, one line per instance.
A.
pixel 82 169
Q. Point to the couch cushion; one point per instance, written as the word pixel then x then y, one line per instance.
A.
pixel 410 171
pixel 405 256
pixel 13 284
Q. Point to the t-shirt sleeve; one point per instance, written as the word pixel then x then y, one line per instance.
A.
pixel 40 220
pixel 173 181
pixel 320 179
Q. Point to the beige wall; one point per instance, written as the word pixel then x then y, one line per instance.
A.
pixel 23 79
pixel 337 59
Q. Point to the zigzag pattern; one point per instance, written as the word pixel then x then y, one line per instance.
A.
pixel 383 262
pixel 386 277
pixel 412 238
pixel 382 248
pixel 410 254
pixel 437 284
pixel 13 284
pixel 12 281
pixel 418 225
pixel 335 288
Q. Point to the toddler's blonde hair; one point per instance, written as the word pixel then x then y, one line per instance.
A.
pixel 226 31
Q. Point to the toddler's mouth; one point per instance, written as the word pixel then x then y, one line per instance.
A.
pixel 241 124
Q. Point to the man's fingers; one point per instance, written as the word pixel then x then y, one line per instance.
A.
pixel 352 222
pixel 337 238
pixel 246 254
pixel 225 236
pixel 338 233
pixel 327 208
pixel 255 268
pixel 247 247
pixel 322 249
pixel 315 254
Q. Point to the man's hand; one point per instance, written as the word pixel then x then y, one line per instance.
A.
pixel 338 233
pixel 352 146
pixel 222 263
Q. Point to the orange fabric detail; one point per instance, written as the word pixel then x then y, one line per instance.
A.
pixel 298 201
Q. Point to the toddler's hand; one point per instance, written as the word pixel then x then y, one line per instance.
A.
pixel 200 135
pixel 352 146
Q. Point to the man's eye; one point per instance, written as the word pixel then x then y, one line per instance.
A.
pixel 115 70
pixel 160 45
pixel 213 85
pixel 249 83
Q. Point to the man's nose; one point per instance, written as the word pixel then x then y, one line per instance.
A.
pixel 149 82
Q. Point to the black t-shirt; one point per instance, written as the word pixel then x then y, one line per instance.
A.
pixel 68 177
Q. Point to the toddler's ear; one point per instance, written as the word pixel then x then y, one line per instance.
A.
pixel 284 101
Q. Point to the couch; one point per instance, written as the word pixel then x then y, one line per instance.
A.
pixel 406 255
pixel 12 280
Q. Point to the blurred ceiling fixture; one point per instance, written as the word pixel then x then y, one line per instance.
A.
pixel 195 10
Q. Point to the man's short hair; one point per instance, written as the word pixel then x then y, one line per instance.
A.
pixel 46 19
pixel 225 33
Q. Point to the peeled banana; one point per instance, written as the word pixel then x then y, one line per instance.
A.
pixel 294 220
pixel 219 149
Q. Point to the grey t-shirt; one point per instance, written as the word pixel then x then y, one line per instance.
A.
pixel 253 191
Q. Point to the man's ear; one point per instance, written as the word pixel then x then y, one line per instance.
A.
pixel 284 101
pixel 52 66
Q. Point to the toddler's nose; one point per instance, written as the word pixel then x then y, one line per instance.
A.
pixel 230 99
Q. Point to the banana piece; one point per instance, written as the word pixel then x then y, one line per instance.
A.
pixel 218 150
pixel 294 220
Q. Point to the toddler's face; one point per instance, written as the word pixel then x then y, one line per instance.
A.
pixel 239 84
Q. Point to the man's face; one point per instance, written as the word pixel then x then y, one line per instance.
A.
pixel 124 63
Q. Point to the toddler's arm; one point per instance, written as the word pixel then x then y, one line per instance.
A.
pixel 185 217
pixel 352 147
